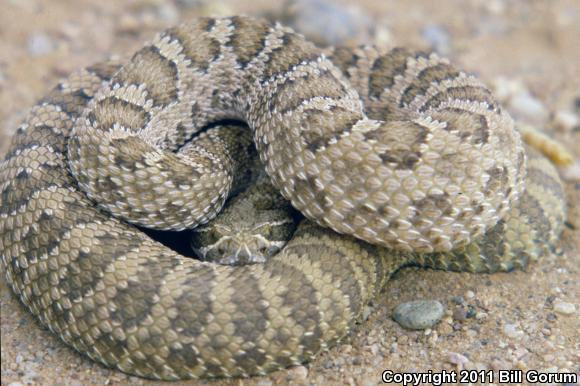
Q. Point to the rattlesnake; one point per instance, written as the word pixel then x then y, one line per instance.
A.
pixel 429 164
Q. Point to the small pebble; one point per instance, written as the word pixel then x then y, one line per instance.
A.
pixel 40 44
pixel 341 24
pixel 168 12
pixel 446 329
pixel 434 338
pixel 471 312
pixel 521 352
pixel 564 308
pixel 511 331
pixel 521 365
pixel 345 349
pixel 556 290
pixel 471 333
pixel 529 108
pixel 566 120
pixel 438 38
pixel 571 173
pixel 458 300
pixel 497 7
pixel 368 381
pixel 548 358
pixel 459 314
pixel 128 24
pixel 297 373
pixel 480 366
pixel 418 315
pixel 551 317
pixel 368 310
pixel 470 294
pixel 383 36
pixel 505 88
pixel 481 315
pixel 458 359
pixel 498 364
pixel 71 30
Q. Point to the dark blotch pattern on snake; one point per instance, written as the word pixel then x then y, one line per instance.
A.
pixel 396 148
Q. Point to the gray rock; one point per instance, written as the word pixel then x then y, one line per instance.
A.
pixel 297 373
pixel 528 108
pixel 40 44
pixel 438 38
pixel 512 331
pixel 458 300
pixel 327 23
pixel 419 314
pixel 564 308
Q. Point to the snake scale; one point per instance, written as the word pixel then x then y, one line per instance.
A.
pixel 396 148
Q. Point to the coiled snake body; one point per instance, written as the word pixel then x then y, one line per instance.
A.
pixel 430 163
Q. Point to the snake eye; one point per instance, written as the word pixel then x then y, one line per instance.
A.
pixel 204 237
pixel 266 230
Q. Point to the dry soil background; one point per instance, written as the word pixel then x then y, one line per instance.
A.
pixel 526 50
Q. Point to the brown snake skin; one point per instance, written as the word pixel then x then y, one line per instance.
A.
pixel 429 164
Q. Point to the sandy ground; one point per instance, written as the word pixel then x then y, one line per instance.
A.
pixel 527 50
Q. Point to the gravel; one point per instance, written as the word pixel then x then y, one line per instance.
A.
pixel 536 56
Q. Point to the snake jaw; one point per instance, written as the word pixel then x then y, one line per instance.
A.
pixel 237 247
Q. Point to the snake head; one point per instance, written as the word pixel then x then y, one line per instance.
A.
pixel 241 245
pixel 254 226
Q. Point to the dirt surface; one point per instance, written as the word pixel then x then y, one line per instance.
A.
pixel 526 50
